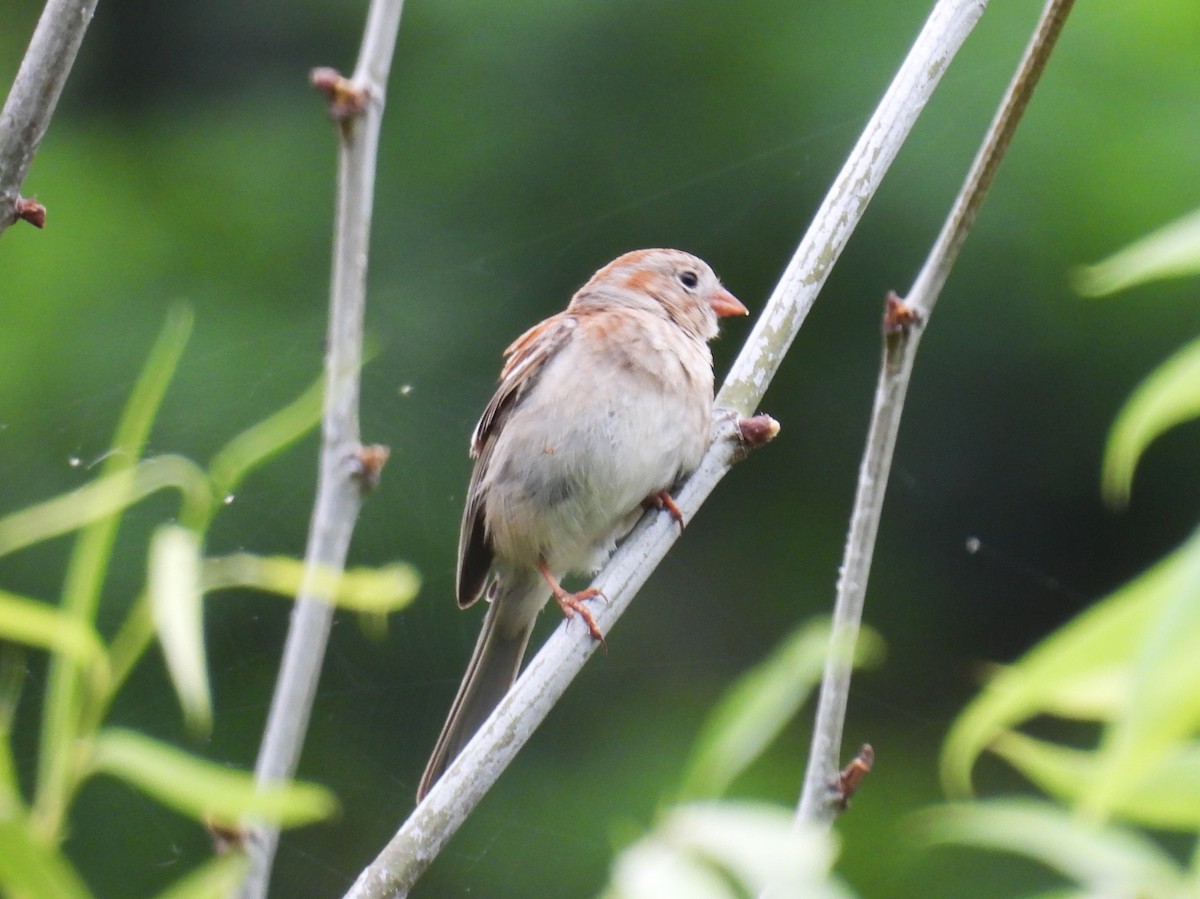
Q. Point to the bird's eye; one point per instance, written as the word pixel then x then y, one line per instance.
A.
pixel 688 279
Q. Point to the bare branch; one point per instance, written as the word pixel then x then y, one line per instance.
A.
pixel 346 469
pixel 472 774
pixel 33 97
pixel 821 798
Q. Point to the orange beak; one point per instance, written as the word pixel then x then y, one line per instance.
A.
pixel 725 304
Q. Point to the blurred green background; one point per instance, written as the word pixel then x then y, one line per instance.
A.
pixel 524 145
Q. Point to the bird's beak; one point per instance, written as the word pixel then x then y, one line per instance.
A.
pixel 725 304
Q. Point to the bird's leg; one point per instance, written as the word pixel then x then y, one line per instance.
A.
pixel 570 603
pixel 662 500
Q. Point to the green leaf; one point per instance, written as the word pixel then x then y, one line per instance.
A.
pixel 1168 397
pixel 1164 700
pixel 173 583
pixel 727 850
pixel 756 708
pixel 1165 796
pixel 218 878
pixel 651 869
pixel 383 589
pixel 12 679
pixel 1090 658
pixel 202 790
pixel 260 442
pixel 86 570
pixel 29 868
pixel 33 623
pixel 102 498
pixel 1169 252
pixel 1107 861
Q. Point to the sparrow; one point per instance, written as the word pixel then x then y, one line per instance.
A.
pixel 601 411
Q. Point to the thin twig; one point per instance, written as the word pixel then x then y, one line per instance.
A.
pixel 820 800
pixel 472 774
pixel 32 100
pixel 346 467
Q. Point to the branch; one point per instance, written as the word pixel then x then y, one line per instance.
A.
pixel 347 469
pixel 822 797
pixel 472 774
pixel 31 102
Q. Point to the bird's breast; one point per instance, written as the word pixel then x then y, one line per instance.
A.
pixel 597 436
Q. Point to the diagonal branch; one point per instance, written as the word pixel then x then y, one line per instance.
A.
pixel 465 782
pixel 347 469
pixel 822 798
pixel 31 102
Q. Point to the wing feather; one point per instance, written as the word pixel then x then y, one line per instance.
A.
pixel 525 359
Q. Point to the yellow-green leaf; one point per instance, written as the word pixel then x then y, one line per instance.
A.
pixel 1166 796
pixel 33 623
pixel 1168 397
pixel 756 708
pixel 1108 861
pixel 272 435
pixel 1169 252
pixel 1164 706
pixel 29 868
pixel 101 498
pixel 203 790
pixel 726 850
pixel 1096 648
pixel 218 878
pixel 176 603
pixel 384 589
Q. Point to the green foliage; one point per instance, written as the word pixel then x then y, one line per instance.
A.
pixel 703 848
pixel 754 711
pixel 218 878
pixel 1103 861
pixel 1090 669
pixel 28 867
pixel 367 590
pixel 206 792
pixel 1169 252
pixel 173 583
pixel 1171 394
pixel 727 850
pixel 1129 665
pixel 1168 397
pixel 86 672
pixel 33 623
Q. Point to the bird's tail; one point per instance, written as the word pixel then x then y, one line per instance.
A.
pixel 493 667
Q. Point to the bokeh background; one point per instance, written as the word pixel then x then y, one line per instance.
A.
pixel 524 145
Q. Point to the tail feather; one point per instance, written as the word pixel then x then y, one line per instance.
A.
pixel 494 665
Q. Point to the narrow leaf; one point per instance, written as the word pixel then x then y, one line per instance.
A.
pixel 383 589
pixel 1166 796
pixel 652 869
pixel 756 844
pixel 757 707
pixel 87 568
pixel 218 878
pixel 727 850
pixel 173 582
pixel 101 498
pixel 202 790
pixel 1164 706
pixel 36 624
pixel 1108 861
pixel 1169 252
pixel 1169 396
pixel 260 442
pixel 1097 647
pixel 29 868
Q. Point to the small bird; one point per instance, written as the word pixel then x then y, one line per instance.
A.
pixel 601 410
